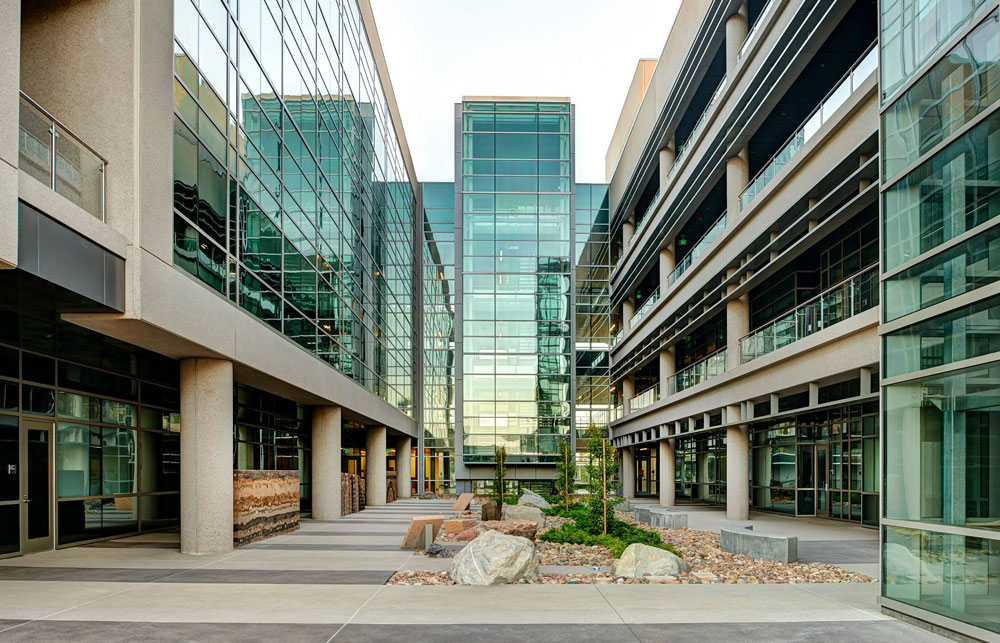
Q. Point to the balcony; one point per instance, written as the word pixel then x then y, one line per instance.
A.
pixel 644 309
pixel 698 250
pixel 765 13
pixel 645 398
pixel 701 371
pixel 846 299
pixel 862 70
pixel 53 155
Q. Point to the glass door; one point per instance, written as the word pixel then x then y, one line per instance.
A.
pixel 37 486
pixel 822 480
pixel 10 485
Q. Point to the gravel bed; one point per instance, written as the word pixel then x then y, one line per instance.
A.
pixel 577 555
pixel 443 578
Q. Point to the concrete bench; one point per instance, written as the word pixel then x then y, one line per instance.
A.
pixel 661 517
pixel 742 540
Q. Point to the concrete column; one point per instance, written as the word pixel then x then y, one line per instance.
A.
pixel 207 454
pixel 737 468
pixel 326 454
pixel 737 326
pixel 863 183
pixel 628 309
pixel 628 391
pixel 628 473
pixel 774 403
pixel 736 35
pixel 628 229
pixel 666 163
pixel 668 469
pixel 375 466
pixel 813 393
pixel 866 381
pixel 667 264
pixel 737 178
pixel 667 370
pixel 403 475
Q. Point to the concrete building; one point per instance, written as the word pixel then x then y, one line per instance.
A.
pixel 744 229
pixel 941 494
pixel 207 225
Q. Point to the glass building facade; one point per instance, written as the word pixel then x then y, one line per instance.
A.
pixel 438 355
pixel 941 421
pixel 291 197
pixel 516 279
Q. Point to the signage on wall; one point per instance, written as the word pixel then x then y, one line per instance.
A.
pixel 12 469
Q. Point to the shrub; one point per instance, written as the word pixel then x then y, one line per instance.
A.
pixel 616 541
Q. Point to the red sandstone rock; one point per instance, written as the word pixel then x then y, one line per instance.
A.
pixel 522 528
pixel 468 534
pixel 458 525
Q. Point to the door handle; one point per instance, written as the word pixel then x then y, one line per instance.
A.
pixel 27 499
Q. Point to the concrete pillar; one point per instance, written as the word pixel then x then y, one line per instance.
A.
pixel 668 471
pixel 736 34
pixel 326 455
pixel 375 466
pixel 667 264
pixel 774 251
pixel 668 367
pixel 628 473
pixel 628 229
pixel 866 381
pixel 207 454
pixel 737 326
pixel 737 468
pixel 403 475
pixel 628 391
pixel 863 183
pixel 774 403
pixel 737 178
pixel 813 393
pixel 628 309
pixel 666 163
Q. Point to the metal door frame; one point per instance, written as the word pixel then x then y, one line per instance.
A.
pixel 30 546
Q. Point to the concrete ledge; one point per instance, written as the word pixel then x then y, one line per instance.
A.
pixel 661 517
pixel 741 539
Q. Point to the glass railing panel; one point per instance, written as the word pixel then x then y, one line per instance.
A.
pixel 54 156
pixel 645 398
pixel 761 18
pixel 701 371
pixel 854 296
pixel 862 69
pixel 645 308
pixel 699 249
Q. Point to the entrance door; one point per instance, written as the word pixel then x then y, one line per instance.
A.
pixel 822 480
pixel 37 485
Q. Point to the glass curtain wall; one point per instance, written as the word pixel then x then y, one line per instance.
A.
pixel 593 311
pixel 941 481
pixel 291 198
pixel 701 467
pixel 439 337
pixel 115 408
pixel 517 279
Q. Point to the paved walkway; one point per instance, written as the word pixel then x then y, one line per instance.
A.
pixel 326 582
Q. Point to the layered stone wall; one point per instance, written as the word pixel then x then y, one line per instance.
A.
pixel 265 504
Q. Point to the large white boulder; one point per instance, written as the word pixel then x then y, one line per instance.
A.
pixel 494 558
pixel 523 512
pixel 531 499
pixel 640 560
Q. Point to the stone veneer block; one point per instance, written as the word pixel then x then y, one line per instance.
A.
pixel 265 504
pixel 463 502
pixel 458 525
pixel 413 532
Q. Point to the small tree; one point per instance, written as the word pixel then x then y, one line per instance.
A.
pixel 602 467
pixel 499 475
pixel 566 471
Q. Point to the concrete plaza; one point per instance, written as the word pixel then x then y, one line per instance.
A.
pixel 326 581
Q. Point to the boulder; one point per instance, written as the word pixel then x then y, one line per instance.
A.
pixel 437 550
pixel 522 528
pixel 458 525
pixel 414 533
pixel 531 499
pixel 495 559
pixel 491 511
pixel 522 512
pixel 468 534
pixel 640 560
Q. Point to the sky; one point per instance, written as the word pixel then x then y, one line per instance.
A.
pixel 440 50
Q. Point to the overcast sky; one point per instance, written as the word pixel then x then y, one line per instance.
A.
pixel 440 50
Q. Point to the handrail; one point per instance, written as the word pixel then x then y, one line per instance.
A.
pixel 850 297
pixel 645 308
pixel 52 154
pixel 848 84
pixel 699 249
pixel 703 370
pixel 764 13
pixel 645 398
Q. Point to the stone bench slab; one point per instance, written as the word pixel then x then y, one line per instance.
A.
pixel 742 540
pixel 661 517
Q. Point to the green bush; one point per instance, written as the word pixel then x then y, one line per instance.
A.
pixel 623 535
pixel 576 512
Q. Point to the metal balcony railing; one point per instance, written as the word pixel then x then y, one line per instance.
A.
pixel 644 309
pixel 701 371
pixel 645 398
pixel 699 249
pixel 765 13
pixel 848 298
pixel 862 69
pixel 49 152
